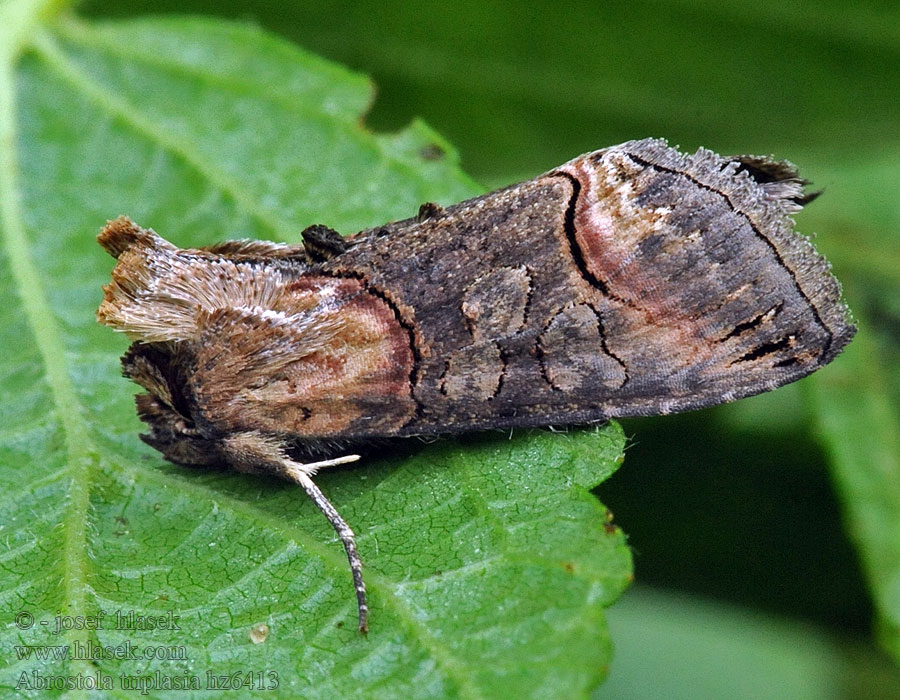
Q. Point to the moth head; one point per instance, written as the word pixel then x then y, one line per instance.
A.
pixel 144 298
pixel 158 292
pixel 161 369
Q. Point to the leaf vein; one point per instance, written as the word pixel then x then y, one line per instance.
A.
pixel 54 56
pixel 81 457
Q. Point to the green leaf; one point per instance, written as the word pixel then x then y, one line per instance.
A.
pixel 860 427
pixel 706 649
pixel 522 86
pixel 488 561
pixel 856 404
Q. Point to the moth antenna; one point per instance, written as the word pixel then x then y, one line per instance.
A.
pixel 302 474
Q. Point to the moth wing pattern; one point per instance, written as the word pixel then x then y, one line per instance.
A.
pixel 249 249
pixel 235 338
pixel 630 281
pixel 634 280
pixel 263 372
pixel 650 282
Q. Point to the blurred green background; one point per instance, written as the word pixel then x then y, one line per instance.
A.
pixel 733 505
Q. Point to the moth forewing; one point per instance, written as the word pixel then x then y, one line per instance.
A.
pixel 634 280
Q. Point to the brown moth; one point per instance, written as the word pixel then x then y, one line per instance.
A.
pixel 631 281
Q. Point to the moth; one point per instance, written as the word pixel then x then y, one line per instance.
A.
pixel 631 281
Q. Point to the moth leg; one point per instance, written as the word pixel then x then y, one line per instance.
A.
pixel 302 474
pixel 256 452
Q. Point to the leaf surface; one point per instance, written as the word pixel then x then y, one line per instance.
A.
pixel 860 427
pixel 522 86
pixel 488 561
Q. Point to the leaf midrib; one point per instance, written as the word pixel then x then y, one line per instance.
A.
pixel 47 47
pixel 81 456
pixel 88 36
